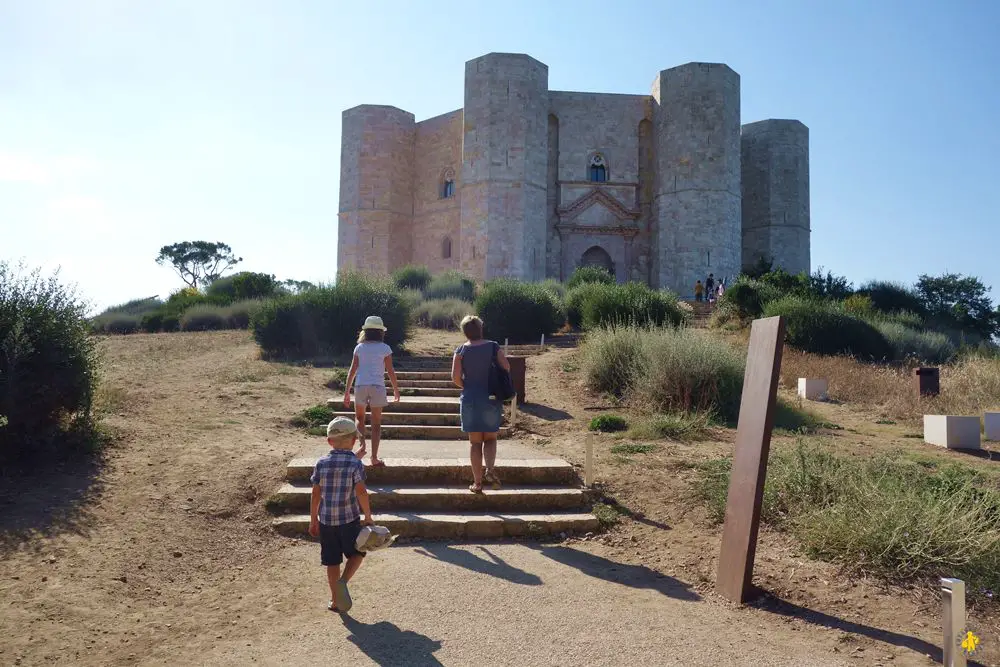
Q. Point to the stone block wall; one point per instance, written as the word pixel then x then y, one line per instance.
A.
pixel 776 223
pixel 437 157
pixel 376 189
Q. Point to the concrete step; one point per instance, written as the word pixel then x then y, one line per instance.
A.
pixel 437 525
pixel 429 384
pixel 422 375
pixel 420 432
pixel 439 404
pixel 411 418
pixel 446 463
pixel 294 498
pixel 452 391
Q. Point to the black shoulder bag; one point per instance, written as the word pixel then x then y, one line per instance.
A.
pixel 501 384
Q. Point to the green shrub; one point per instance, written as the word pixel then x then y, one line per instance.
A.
pixel 859 305
pixel 681 426
pixel 412 277
pixel 746 298
pixel 687 372
pixel 575 298
pixel 117 323
pixel 135 307
pixel 325 321
pixel 819 327
pixel 160 320
pixel 441 313
pixel 630 304
pixel 239 314
pixel 243 286
pixel 451 285
pixel 613 359
pixel 590 274
pixel 47 364
pixel 923 346
pixel 889 515
pixel 518 311
pixel 608 423
pixel 205 318
pixel 412 298
pixel 554 287
pixel 890 297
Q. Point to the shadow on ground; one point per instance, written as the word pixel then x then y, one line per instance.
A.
pixel 776 605
pixel 492 565
pixel 634 576
pixel 544 412
pixel 387 644
pixel 50 501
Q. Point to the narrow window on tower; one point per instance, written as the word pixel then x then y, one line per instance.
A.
pixel 449 189
pixel 598 170
pixel 446 248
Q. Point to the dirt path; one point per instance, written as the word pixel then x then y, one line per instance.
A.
pixel 166 555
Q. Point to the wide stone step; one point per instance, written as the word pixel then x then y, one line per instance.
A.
pixel 419 432
pixel 422 375
pixel 452 391
pixel 438 404
pixel 437 525
pixel 295 498
pixel 446 463
pixel 411 418
pixel 435 384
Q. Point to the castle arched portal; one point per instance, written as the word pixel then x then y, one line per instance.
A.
pixel 598 256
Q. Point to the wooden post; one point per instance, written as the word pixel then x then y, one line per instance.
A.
pixel 542 344
pixel 505 345
pixel 753 442
pixel 953 597
pixel 588 466
pixel 513 412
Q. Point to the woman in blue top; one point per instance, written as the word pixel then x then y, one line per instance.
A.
pixel 481 413
pixel 372 360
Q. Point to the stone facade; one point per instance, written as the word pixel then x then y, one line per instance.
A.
pixel 528 182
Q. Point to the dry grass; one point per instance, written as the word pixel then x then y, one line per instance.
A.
pixel 970 386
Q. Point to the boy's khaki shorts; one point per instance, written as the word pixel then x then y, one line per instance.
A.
pixel 372 395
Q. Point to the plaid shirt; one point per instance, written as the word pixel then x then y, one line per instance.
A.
pixel 336 474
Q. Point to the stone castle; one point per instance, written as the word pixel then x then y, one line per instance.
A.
pixel 529 182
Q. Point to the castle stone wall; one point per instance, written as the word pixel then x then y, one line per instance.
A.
pixel 505 165
pixel 437 156
pixel 376 189
pixel 775 160
pixel 697 192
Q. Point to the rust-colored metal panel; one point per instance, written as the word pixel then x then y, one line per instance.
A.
pixel 753 442
pixel 518 371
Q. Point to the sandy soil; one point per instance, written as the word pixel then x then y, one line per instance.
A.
pixel 164 555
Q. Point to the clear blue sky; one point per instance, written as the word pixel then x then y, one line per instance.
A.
pixel 125 126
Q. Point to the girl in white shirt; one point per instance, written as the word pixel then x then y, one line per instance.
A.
pixel 372 360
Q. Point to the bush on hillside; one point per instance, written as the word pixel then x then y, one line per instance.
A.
pixel 47 363
pixel 520 312
pixel 746 298
pixel 325 321
pixel 630 304
pixel 160 321
pixel 665 370
pixel 922 346
pixel 859 305
pixel 890 297
pixel 451 285
pixel 243 286
pixel 135 307
pixel 412 277
pixel 412 298
pixel 441 313
pixel 887 515
pixel 574 300
pixel 608 424
pixel 117 323
pixel 205 318
pixel 554 287
pixel 818 326
pixel 239 314
pixel 590 274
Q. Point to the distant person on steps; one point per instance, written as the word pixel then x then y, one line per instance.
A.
pixel 699 291
pixel 481 414
pixel 372 360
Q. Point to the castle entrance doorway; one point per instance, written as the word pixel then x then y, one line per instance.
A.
pixel 598 256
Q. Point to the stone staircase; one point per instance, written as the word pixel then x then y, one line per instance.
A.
pixel 423 489
pixel 701 313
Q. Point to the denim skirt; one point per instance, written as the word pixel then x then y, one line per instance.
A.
pixel 480 414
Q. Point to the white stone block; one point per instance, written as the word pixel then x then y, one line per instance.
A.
pixel 813 389
pixel 952 431
pixel 992 420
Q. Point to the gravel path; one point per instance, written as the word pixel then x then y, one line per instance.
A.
pixel 503 604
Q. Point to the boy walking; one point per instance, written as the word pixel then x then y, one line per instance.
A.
pixel 339 495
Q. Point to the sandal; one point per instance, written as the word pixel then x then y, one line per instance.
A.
pixel 378 464
pixel 491 477
pixel 476 489
pixel 332 607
